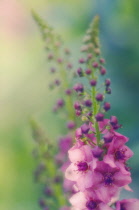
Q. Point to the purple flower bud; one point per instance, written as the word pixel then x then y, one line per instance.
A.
pixel 57 179
pixel 78 87
pixel 102 71
pixel 48 191
pixel 77 105
pixel 107 82
pixel 113 120
pixel 60 103
pixel 42 203
pixel 89 114
pixel 108 137
pixel 68 92
pixel 59 60
pixel 46 208
pixel 88 103
pixel 108 90
pixel 88 71
pixel 57 82
pixel 71 125
pixel 102 60
pixel 81 60
pixel 80 72
pixel 93 82
pixel 53 70
pixel 95 65
pixel 78 112
pixel 99 117
pixel 106 106
pixel 99 97
pixel 85 128
pixel 117 126
pixel 97 152
pixel 69 66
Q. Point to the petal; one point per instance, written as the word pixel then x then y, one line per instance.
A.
pixel 103 206
pixel 78 200
pixel 121 179
pixel 72 173
pixel 109 160
pixel 76 155
pixel 88 153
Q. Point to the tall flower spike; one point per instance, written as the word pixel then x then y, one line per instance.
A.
pixel 98 160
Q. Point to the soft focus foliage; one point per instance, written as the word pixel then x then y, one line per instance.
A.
pixel 24 81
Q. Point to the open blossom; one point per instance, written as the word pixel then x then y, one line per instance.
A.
pixel 87 201
pixel 128 204
pixel 81 167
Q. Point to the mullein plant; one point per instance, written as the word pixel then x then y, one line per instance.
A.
pixel 47 172
pixel 97 168
pixel 98 158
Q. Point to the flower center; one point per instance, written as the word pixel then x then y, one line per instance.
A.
pixel 120 155
pixel 122 207
pixel 82 166
pixel 91 204
pixel 108 179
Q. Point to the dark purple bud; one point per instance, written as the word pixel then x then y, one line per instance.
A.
pixel 117 126
pixel 106 106
pixel 42 203
pixel 50 56
pixel 85 128
pixel 93 82
pixel 68 92
pixel 80 72
pixel 78 87
pixel 57 82
pixel 89 56
pixel 48 191
pixel 99 97
pixel 60 103
pixel 89 114
pixel 71 125
pixel 57 179
pixel 108 90
pixel 59 60
pixel 81 60
pixel 69 66
pixel 108 137
pixel 102 60
pixel 102 71
pixel 107 82
pixel 88 71
pixel 77 105
pixel 78 112
pixel 113 120
pixel 88 103
pixel 95 65
pixel 99 117
pixel 97 152
pixel 53 70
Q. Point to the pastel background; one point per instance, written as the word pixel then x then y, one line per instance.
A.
pixel 24 78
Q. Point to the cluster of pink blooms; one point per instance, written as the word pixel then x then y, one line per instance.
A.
pixel 100 172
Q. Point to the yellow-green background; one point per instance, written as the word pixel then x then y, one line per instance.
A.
pixel 24 78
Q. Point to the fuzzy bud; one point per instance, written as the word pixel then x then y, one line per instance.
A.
pixel 99 97
pixel 106 106
pixel 93 82
pixel 99 117
pixel 88 71
pixel 88 103
pixel 85 128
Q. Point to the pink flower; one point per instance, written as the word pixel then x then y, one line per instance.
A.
pixel 108 181
pixel 81 167
pixel 118 153
pixel 130 204
pixel 87 201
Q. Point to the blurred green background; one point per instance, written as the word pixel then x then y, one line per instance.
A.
pixel 24 79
